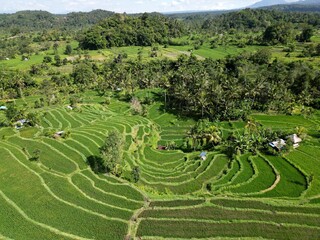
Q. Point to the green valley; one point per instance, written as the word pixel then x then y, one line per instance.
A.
pixel 153 127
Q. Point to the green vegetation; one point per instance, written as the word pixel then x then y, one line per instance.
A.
pixel 115 126
pixel 182 229
pixel 121 30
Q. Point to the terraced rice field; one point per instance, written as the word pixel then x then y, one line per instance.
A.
pixel 59 197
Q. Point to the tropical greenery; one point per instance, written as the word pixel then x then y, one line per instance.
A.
pixel 105 119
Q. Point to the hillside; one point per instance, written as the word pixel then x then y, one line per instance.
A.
pixel 274 3
pixel 152 127
pixel 40 20
pixel 309 2
pixel 55 194
pixel 265 3
pixel 313 8
pixel 122 30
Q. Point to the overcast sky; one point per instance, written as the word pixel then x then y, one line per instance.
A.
pixel 129 6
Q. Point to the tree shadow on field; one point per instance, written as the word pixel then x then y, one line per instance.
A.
pixel 96 164
pixel 298 183
pixel 315 135
pixel 167 106
pixel 181 115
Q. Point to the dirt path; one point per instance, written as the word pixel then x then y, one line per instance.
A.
pixel 134 223
pixel 273 185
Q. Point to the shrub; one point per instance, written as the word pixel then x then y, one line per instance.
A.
pixel 135 174
pixel 136 107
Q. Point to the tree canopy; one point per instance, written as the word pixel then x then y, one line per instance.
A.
pixel 123 30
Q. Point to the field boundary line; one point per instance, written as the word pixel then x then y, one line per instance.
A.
pixel 2 237
pixel 121 182
pixel 135 221
pixel 43 183
pixel 73 140
pixel 302 172
pixel 209 238
pixel 60 114
pixel 229 182
pixel 224 187
pixel 55 150
pixel 228 221
pixel 109 193
pixel 96 200
pixel 86 137
pixel 71 116
pixel 54 118
pixel 50 228
pixel 278 178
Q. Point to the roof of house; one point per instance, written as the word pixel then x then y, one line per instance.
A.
pixel 280 143
pixel 22 121
pixel 203 154
pixel 160 147
pixel 294 138
pixel 3 108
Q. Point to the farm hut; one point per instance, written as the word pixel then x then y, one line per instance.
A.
pixel 203 155
pixel 160 147
pixel 279 144
pixel 69 107
pixel 19 124
pixel 3 108
pixel 58 134
pixel 295 140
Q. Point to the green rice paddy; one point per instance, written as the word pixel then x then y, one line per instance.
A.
pixel 59 197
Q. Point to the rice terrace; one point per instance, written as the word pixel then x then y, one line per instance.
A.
pixel 156 126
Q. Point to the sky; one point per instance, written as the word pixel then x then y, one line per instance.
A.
pixel 120 6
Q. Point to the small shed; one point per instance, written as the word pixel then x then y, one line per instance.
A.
pixel 19 124
pixel 69 107
pixel 295 140
pixel 203 155
pixel 278 144
pixel 3 108
pixel 23 121
pixel 58 134
pixel 160 147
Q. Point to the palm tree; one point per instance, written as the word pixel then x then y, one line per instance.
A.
pixel 301 132
pixel 18 82
pixel 212 135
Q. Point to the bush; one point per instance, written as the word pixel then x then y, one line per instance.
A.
pixel 135 173
pixel 136 107
pixel 107 100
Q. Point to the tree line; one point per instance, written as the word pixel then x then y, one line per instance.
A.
pixel 245 27
pixel 123 30
pixel 258 19
pixel 102 29
pixel 225 89
pixel 26 21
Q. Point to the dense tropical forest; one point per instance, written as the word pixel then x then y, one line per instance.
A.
pixel 153 126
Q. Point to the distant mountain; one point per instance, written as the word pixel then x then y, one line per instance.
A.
pixel 306 8
pixel 309 2
pixel 265 3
